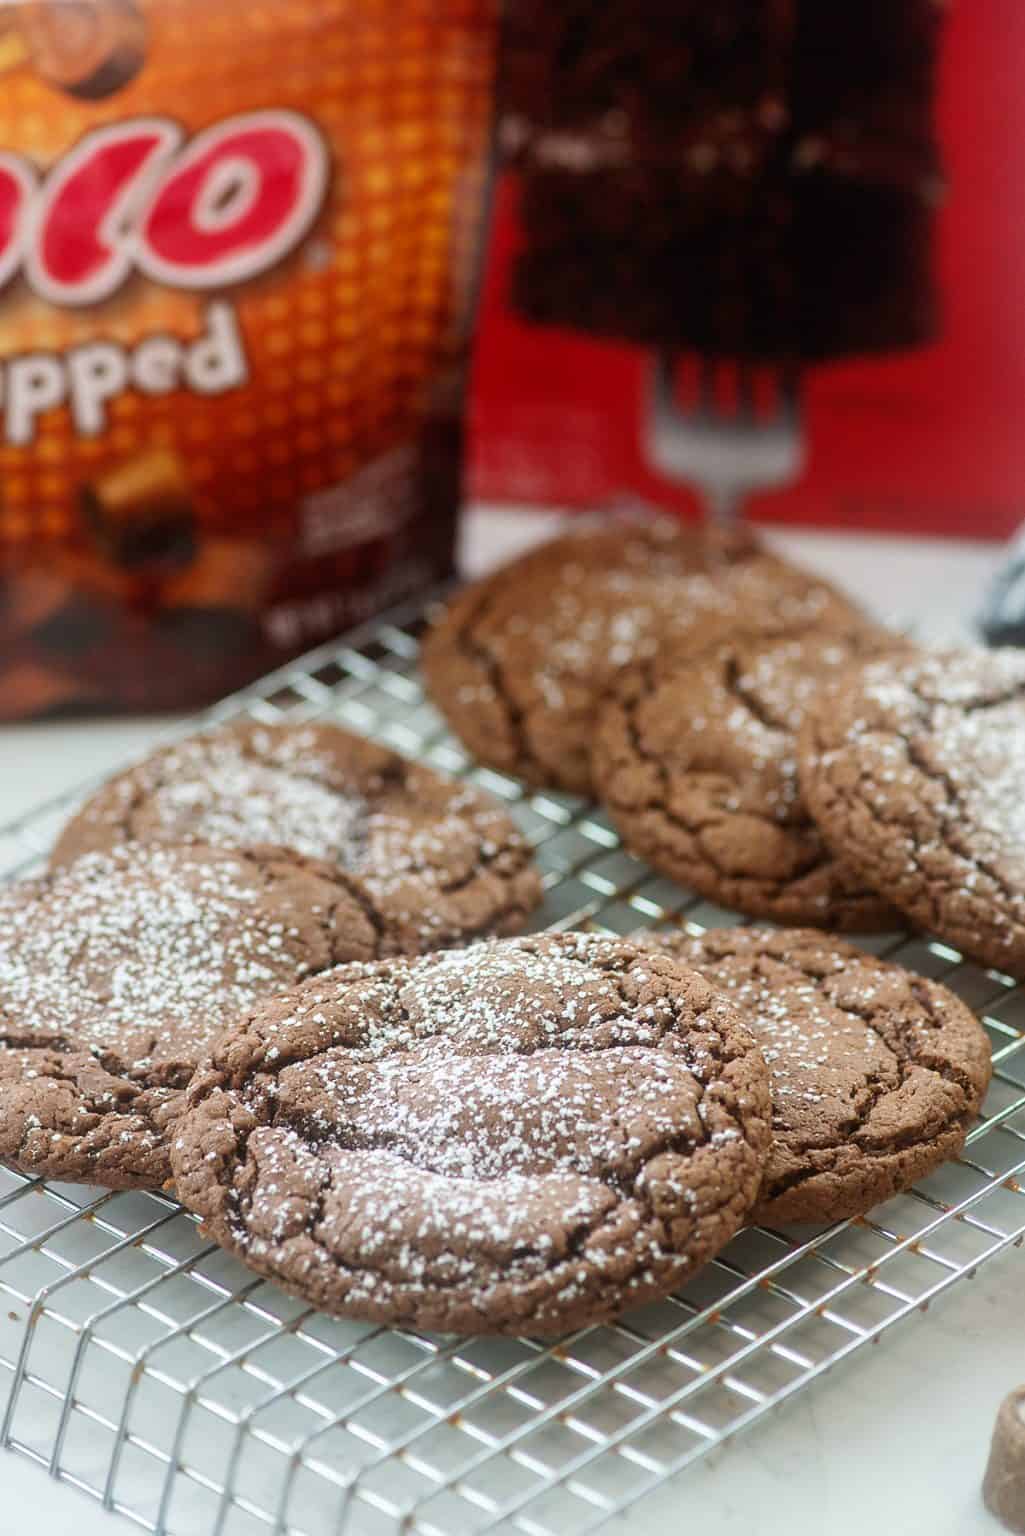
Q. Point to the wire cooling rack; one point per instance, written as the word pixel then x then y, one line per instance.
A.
pixel 161 1377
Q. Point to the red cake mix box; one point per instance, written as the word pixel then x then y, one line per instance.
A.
pixel 818 203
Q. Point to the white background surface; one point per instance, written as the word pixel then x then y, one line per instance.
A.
pixel 894 1440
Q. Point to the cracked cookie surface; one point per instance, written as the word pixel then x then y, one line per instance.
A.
pixel 522 1137
pixel 697 765
pixel 117 974
pixel 520 662
pixel 431 861
pixel 915 775
pixel 877 1073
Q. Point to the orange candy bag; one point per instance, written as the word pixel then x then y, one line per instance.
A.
pixel 237 256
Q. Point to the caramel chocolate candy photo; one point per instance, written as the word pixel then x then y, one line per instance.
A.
pixel 214 606
pixel 88 48
pixel 34 689
pixel 68 605
pixel 140 511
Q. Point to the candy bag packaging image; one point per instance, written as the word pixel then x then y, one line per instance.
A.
pixel 237 254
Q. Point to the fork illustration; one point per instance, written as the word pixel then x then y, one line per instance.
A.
pixel 755 442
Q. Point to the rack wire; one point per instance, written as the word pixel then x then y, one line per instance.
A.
pixel 162 1378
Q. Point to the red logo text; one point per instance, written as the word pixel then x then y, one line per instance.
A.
pixel 137 197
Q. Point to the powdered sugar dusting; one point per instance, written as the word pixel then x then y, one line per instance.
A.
pixel 959 724
pixel 606 601
pixel 696 760
pixel 439 844
pixel 212 791
pixel 952 729
pixel 785 676
pixel 837 1028
pixel 515 1112
pixel 142 954
pixel 813 1049
pixel 430 860
pixel 495 1219
pixel 761 693
pixel 253 804
pixel 514 1226
pixel 468 1117
pixel 875 1072
pixel 984 760
pixel 600 620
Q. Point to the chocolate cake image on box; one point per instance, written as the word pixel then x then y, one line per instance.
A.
pixel 752 180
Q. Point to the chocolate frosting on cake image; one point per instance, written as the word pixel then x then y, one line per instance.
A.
pixel 755 180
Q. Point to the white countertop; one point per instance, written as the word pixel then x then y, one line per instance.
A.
pixel 895 1439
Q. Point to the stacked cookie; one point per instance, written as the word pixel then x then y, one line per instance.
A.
pixel 751 733
pixel 915 773
pixel 697 762
pixel 521 1137
pixel 667 670
pixel 272 964
pixel 518 1135
pixel 521 663
pixel 216 872
pixel 875 1074
pixel 534 1134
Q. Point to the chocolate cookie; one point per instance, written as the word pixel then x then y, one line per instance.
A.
pixel 696 763
pixel 521 1137
pixel 1003 1487
pixel 520 662
pixel 876 1073
pixel 914 775
pixel 117 974
pixel 431 861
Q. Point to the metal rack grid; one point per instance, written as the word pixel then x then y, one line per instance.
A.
pixel 161 1377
